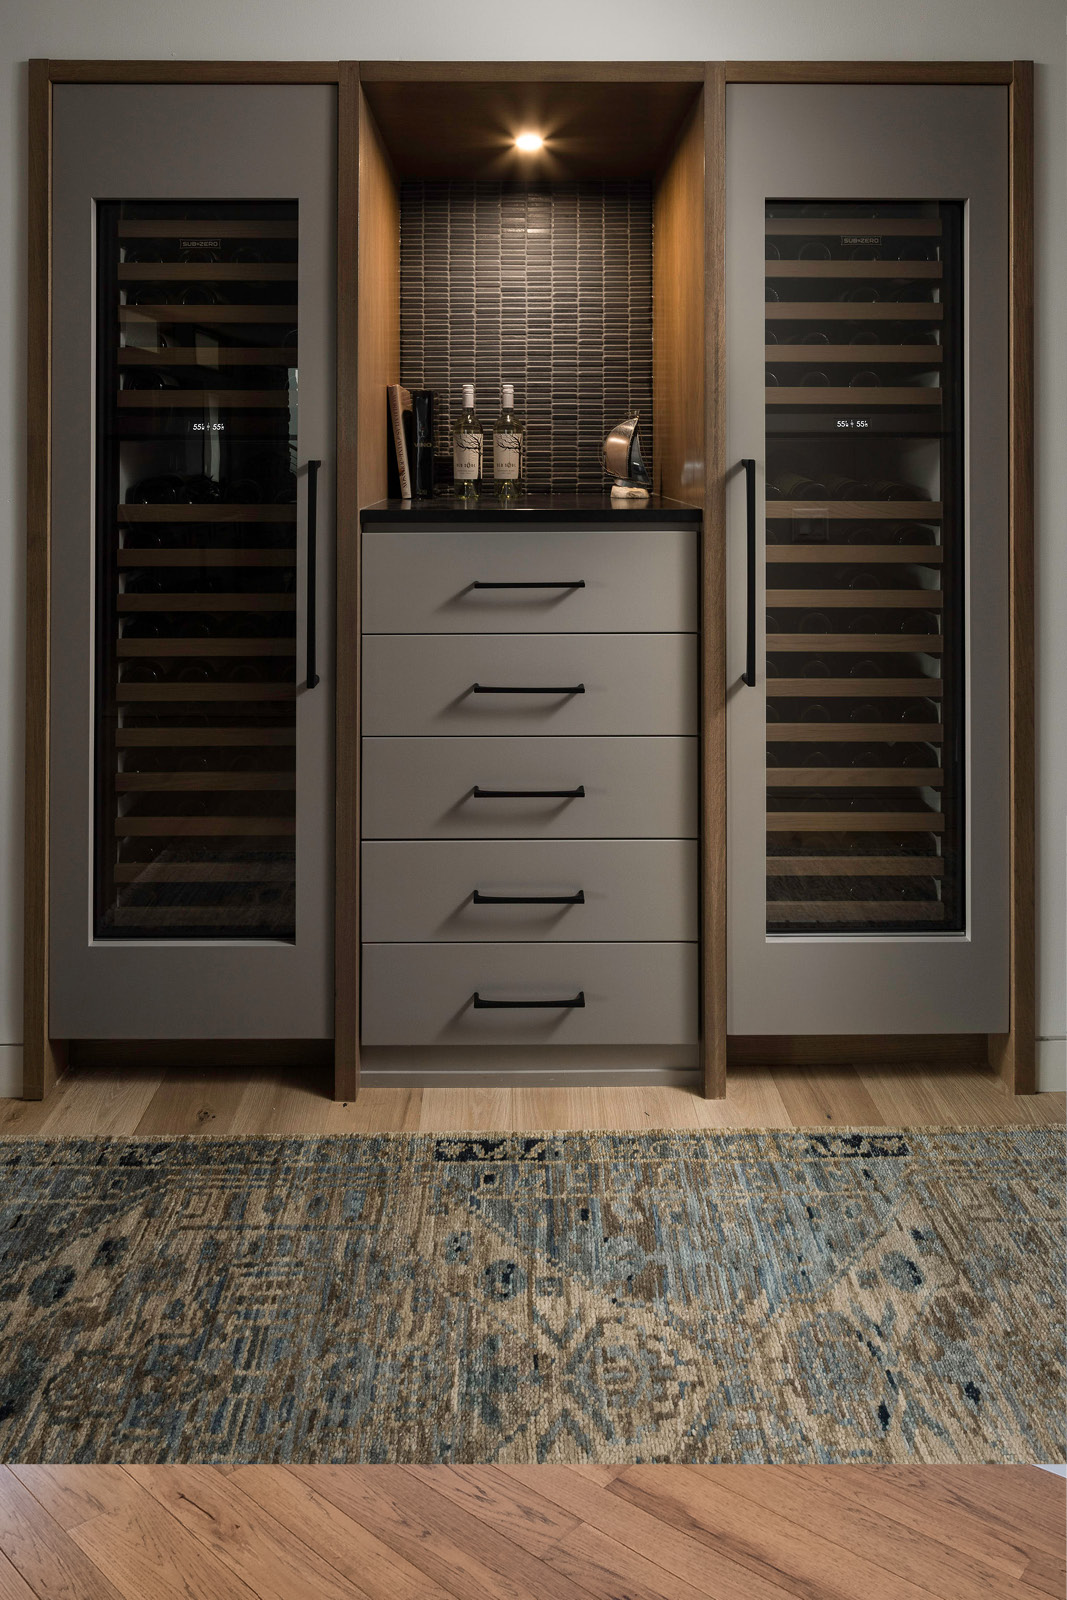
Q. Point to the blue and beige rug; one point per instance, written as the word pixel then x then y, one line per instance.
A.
pixel 794 1296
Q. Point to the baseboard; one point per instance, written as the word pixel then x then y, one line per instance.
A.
pixel 527 1066
pixel 1051 1065
pixel 169 1054
pixel 10 1071
pixel 845 1049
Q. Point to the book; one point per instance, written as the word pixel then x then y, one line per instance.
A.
pixel 400 434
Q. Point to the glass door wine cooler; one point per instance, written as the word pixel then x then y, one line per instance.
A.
pixel 192 535
pixel 868 553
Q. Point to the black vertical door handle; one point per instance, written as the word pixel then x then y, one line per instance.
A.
pixel 313 498
pixel 749 674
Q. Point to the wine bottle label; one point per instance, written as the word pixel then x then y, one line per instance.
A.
pixel 466 457
pixel 507 454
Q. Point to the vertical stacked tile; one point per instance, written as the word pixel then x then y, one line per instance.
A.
pixel 548 286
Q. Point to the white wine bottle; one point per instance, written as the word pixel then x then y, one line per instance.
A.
pixel 467 449
pixel 508 447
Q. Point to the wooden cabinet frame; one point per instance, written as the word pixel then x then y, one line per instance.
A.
pixel 359 161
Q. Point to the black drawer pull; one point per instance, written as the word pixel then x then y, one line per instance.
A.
pixel 528 794
pixel 579 584
pixel 497 688
pixel 529 1005
pixel 480 899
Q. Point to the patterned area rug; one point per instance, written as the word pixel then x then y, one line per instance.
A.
pixel 793 1296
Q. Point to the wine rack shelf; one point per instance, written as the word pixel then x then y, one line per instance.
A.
pixel 843 226
pixel 858 510
pixel 208 272
pixel 200 872
pixel 201 399
pixel 862 815
pixel 204 228
pixel 922 355
pixel 815 311
pixel 917 555
pixel 214 512
pixel 790 395
pixel 817 687
pixel 930 643
pixel 204 356
pixel 854 777
pixel 161 648
pixel 205 557
pixel 853 732
pixel 883 599
pixel 853 822
pixel 140 738
pixel 899 269
pixel 128 827
pixel 188 692
pixel 196 782
pixel 861 866
pixel 855 911
pixel 206 313
pixel 196 675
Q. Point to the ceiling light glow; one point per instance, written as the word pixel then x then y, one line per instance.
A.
pixel 529 142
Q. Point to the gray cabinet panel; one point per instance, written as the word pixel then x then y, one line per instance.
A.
pixel 827 149
pixel 631 889
pixel 184 145
pixel 634 788
pixel 637 580
pixel 631 683
pixel 423 994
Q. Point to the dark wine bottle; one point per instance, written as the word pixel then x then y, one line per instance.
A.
pixel 163 490
pixel 838 487
pixel 142 672
pixel 794 486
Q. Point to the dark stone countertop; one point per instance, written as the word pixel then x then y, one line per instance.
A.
pixel 571 508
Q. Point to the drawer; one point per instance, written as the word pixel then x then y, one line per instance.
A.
pixel 599 683
pixel 632 788
pixel 530 889
pixel 423 994
pixel 610 580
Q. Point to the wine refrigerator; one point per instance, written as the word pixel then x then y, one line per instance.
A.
pixel 192 551
pixel 866 339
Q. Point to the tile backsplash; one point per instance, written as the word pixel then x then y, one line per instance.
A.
pixel 547 286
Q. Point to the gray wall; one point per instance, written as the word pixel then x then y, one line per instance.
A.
pixel 556 29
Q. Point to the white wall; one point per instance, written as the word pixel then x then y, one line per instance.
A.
pixel 559 30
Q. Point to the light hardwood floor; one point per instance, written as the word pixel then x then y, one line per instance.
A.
pixel 94 1100
pixel 530 1533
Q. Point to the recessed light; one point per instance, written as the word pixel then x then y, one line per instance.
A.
pixel 529 142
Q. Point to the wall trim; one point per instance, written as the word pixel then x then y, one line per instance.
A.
pixel 1051 1065
pixel 10 1071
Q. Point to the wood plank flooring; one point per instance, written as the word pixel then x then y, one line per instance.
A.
pixel 96 1100
pixel 531 1533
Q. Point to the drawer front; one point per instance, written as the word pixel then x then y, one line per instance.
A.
pixel 530 889
pixel 423 994
pixel 632 788
pixel 611 580
pixel 617 683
